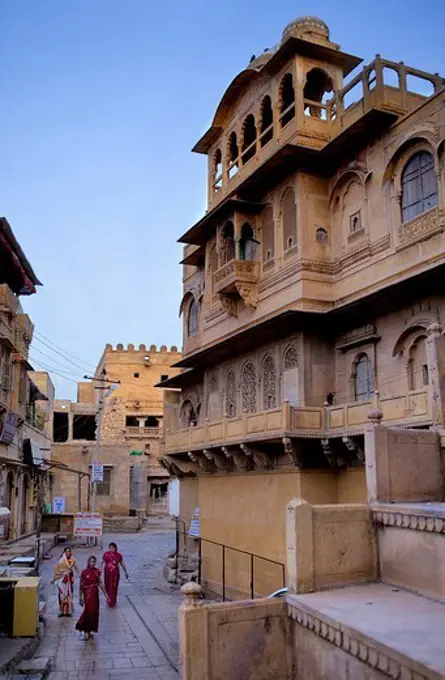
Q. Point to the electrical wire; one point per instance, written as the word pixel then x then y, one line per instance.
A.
pixel 40 335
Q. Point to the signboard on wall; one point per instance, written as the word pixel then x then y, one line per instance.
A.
pixel 194 524
pixel 97 472
pixel 88 524
pixel 59 504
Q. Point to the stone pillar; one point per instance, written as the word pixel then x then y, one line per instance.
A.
pixel 435 351
pixel 70 425
pixel 193 635
pixel 300 549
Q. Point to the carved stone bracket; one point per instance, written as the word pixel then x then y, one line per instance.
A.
pixel 292 453
pixel 262 460
pixel 228 304
pixel 203 464
pixel 240 460
pixel 329 454
pixel 248 292
pixel 353 447
pixel 221 462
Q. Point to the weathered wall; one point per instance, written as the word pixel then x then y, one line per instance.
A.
pixel 252 518
pixel 328 546
pixel 247 640
pixel 403 465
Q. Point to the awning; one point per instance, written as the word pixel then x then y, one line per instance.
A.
pixel 32 453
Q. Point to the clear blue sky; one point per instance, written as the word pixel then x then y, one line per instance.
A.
pixel 102 101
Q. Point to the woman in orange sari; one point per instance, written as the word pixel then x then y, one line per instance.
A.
pixel 113 562
pixel 64 575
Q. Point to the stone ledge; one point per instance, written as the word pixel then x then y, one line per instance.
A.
pixel 392 662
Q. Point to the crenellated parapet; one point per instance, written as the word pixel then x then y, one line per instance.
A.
pixel 151 349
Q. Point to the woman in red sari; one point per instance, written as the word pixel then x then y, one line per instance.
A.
pixel 90 582
pixel 113 561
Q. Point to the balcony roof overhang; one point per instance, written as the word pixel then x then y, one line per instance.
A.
pixel 255 335
pixel 200 233
pixel 24 280
pixel 184 379
pixel 196 258
pixel 291 46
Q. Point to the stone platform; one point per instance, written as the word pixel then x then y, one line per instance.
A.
pixel 397 633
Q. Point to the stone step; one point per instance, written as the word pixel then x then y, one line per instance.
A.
pixel 373 631
pixel 37 666
pixel 411 546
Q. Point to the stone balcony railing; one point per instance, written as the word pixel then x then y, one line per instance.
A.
pixel 143 432
pixel 238 279
pixel 414 408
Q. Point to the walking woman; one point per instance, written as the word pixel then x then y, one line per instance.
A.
pixel 113 562
pixel 64 575
pixel 90 582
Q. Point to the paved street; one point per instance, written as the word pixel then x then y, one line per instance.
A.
pixel 137 640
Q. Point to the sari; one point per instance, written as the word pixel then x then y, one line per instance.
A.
pixel 112 575
pixel 89 588
pixel 64 576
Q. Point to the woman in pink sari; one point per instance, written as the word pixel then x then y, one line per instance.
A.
pixel 90 582
pixel 113 562
pixel 64 576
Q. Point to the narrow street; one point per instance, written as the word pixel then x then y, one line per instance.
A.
pixel 139 638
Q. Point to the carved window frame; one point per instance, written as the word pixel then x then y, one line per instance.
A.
pixel 249 387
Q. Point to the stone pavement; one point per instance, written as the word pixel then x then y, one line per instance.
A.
pixel 138 639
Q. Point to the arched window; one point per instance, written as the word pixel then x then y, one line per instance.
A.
pixel 418 373
pixel 249 138
pixel 231 393
pixel 193 318
pixel 266 125
pixel 217 170
pixel 287 99
pixel 289 212
pixel 247 243
pixel 363 378
pixel 268 234
pixel 290 359
pixel 269 382
pixel 227 251
pixel 316 93
pixel 248 388
pixel 419 186
pixel 233 153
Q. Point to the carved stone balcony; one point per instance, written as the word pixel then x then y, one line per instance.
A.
pixel 237 279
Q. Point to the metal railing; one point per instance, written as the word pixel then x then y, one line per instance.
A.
pixel 224 549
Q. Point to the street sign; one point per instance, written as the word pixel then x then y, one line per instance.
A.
pixel 88 524
pixel 97 472
pixel 59 503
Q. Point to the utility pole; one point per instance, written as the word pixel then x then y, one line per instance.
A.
pixel 106 388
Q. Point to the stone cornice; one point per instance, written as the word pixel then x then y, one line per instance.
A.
pixel 372 653
pixel 415 519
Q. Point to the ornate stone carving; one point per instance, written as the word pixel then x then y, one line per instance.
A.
pixel 422 227
pixel 240 460
pixel 229 304
pixel 248 292
pixel 221 462
pixel 292 453
pixel 249 388
pixel 353 447
pixel 269 375
pixel 290 358
pixel 262 460
pixel 409 520
pixel 230 393
pixel 329 454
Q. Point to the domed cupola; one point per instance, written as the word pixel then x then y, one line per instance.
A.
pixel 308 28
